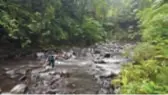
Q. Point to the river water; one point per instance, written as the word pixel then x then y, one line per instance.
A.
pixel 89 74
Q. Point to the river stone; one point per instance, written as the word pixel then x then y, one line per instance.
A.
pixel 117 90
pixel 107 74
pixel 55 79
pixel 103 91
pixel 48 68
pixel 40 55
pixel 6 69
pixel 52 91
pixel 44 76
pixel 21 71
pixel 107 55
pixel 23 78
pixel 106 84
pixel 53 73
pixel 65 73
pixel 11 72
pixel 5 93
pixel 14 76
pixel 19 89
pixel 57 76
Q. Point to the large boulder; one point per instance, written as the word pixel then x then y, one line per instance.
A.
pixel 19 89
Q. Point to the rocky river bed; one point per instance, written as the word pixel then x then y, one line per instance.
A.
pixel 83 71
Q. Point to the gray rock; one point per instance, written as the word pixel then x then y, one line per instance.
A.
pixel 34 76
pixel 106 84
pixel 117 90
pixel 6 69
pixel 21 71
pixel 44 76
pixel 54 79
pixel 19 89
pixel 11 72
pixel 57 76
pixel 53 73
pixel 23 78
pixel 40 55
pixel 6 93
pixel 107 55
pixel 47 68
pixel 107 74
pixel 103 91
pixel 65 73
pixel 52 91
pixel 111 60
pixel 14 76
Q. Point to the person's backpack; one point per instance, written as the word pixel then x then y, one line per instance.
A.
pixel 51 58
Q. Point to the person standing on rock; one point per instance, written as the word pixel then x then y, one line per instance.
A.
pixel 51 60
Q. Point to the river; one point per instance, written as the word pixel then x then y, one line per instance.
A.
pixel 91 73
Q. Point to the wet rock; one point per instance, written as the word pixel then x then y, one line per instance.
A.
pixel 103 91
pixel 117 90
pixel 107 74
pixel 0 90
pixel 99 61
pixel 107 55
pixel 6 93
pixel 65 73
pixel 45 83
pixel 53 73
pixel 11 72
pixel 40 55
pixel 19 89
pixel 44 76
pixel 35 77
pixel 97 51
pixel 47 68
pixel 111 91
pixel 6 69
pixel 52 91
pixel 57 76
pixel 34 66
pixel 23 78
pixel 14 76
pixel 106 84
pixel 110 60
pixel 21 71
pixel 55 79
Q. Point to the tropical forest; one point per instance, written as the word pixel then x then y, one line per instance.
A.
pixel 83 46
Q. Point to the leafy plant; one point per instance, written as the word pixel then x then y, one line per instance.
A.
pixel 149 76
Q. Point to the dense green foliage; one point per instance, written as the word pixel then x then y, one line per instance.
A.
pixel 53 22
pixel 148 75
pixel 47 23
pixel 67 22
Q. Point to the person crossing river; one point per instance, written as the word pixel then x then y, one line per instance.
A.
pixel 51 61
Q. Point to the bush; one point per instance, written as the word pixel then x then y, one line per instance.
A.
pixel 144 51
pixel 150 75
